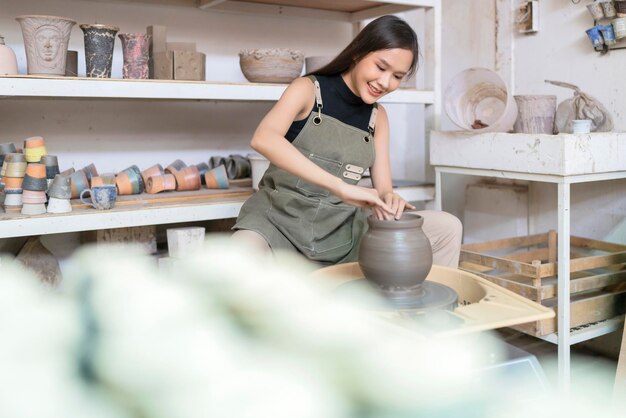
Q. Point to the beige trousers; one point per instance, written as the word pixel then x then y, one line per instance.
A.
pixel 444 231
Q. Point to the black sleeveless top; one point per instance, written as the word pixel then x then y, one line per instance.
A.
pixel 339 102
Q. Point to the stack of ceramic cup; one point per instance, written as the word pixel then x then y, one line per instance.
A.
pixel 129 181
pixel 35 186
pixel 34 149
pixel 52 167
pixel 59 194
pixel 13 170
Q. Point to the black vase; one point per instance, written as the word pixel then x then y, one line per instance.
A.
pixel 99 44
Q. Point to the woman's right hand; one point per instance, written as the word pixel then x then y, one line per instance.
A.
pixel 361 197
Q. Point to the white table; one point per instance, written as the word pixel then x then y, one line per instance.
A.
pixel 563 159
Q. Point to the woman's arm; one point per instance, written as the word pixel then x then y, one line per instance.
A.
pixel 269 140
pixel 381 171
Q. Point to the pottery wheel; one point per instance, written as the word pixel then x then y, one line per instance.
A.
pixel 428 296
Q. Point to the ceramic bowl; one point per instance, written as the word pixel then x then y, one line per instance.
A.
pixel 274 65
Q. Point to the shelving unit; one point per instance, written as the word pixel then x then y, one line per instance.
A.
pixel 75 88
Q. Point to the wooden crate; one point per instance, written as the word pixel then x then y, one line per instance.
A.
pixel 528 266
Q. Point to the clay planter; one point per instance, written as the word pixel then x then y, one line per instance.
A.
pixel 124 184
pixel 31 196
pixel 99 45
pixel 216 178
pixel 68 172
pixel 175 167
pixel 79 183
pixel 90 171
pixel 52 165
pixel 35 178
pixel 134 175
pixel 8 148
pixel 13 199
pixel 271 65
pixel 135 47
pixel 45 40
pixel 157 184
pixel 155 170
pixel 188 179
pixel 12 169
pixel 107 179
pixel 395 253
pixel 237 167
pixel 535 114
pixel 60 188
pixel 33 209
pixel 13 182
pixel 59 205
pixel 34 142
pixel 36 170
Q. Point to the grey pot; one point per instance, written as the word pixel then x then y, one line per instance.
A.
pixel 99 45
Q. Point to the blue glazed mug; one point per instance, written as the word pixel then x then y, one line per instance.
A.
pixel 102 197
pixel 595 36
pixel 608 34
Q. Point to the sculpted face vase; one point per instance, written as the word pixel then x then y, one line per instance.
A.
pixel 45 40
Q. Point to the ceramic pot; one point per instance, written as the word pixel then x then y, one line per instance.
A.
pixel 135 47
pixel 99 45
pixel 217 178
pixel 134 175
pixel 202 169
pixel 13 182
pixel 13 199
pixel 124 185
pixel 79 183
pixel 157 184
pixel 188 179
pixel 59 205
pixel 216 162
pixel 31 196
pixel 90 171
pixel 52 165
pixel 237 167
pixel 45 40
pixel 7 148
pixel 155 170
pixel 8 60
pixel 395 253
pixel 175 167
pixel 60 188
pixel 271 65
pixel 106 179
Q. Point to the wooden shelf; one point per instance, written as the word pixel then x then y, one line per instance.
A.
pixel 94 88
pixel 145 209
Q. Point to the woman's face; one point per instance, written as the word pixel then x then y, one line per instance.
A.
pixel 379 73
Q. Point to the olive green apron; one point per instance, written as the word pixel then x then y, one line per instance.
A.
pixel 293 214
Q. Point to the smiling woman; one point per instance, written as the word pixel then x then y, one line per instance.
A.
pixel 320 137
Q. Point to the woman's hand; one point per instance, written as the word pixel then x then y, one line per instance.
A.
pixel 362 197
pixel 396 204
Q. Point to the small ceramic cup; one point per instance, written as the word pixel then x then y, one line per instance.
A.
pixel 217 178
pixel 595 37
pixel 581 126
pixel 102 197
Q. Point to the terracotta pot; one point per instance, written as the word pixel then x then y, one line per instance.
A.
pixel 79 183
pixel 10 169
pixel 216 161
pixel 106 179
pixel 395 253
pixel 34 142
pixel 188 179
pixel 155 170
pixel 217 178
pixel 175 167
pixel 124 185
pixel 99 44
pixel 36 170
pixel 31 196
pixel 33 155
pixel 12 182
pixel 90 171
pixel 45 40
pixel 135 47
pixel 134 175
pixel 271 65
pixel 157 184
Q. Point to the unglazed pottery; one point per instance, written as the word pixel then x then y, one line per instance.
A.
pixel 395 253
pixel 216 161
pixel 202 169
pixel 52 165
pixel 59 205
pixel 155 170
pixel 33 209
pixel 99 45
pixel 271 65
pixel 188 179
pixel 237 167
pixel 175 166
pixel 45 40
pixel 535 114
pixel 8 60
pixel 157 184
pixel 135 47
pixel 217 178
pixel 79 183
pixel 60 188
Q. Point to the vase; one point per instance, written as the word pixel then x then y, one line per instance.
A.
pixel 8 61
pixel 45 40
pixel 135 47
pixel 395 254
pixel 99 45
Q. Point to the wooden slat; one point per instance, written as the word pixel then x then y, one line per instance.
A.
pixel 528 256
pixel 524 241
pixel 552 246
pixel 500 263
pixel 583 284
pixel 527 291
pixel 596 245
pixel 596 261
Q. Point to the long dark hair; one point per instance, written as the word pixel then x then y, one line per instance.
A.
pixel 386 32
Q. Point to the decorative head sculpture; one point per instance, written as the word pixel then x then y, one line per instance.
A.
pixel 46 39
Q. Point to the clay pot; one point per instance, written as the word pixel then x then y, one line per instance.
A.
pixel 135 47
pixel 8 60
pixel 175 167
pixel 79 183
pixel 52 165
pixel 106 179
pixel 396 253
pixel 237 167
pixel 68 172
pixel 155 170
pixel 45 40
pixel 124 185
pixel 31 196
pixel 33 209
pixel 12 182
pixel 90 171
pixel 271 65
pixel 216 162
pixel 34 142
pixel 99 44
pixel 202 169
pixel 188 179
pixel 36 170
pixel 60 188
pixel 59 205
pixel 134 175
pixel 157 184
pixel 13 199
pixel 8 148
pixel 217 178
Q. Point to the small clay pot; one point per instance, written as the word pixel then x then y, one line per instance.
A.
pixel 33 155
pixel 79 183
pixel 68 172
pixel 59 205
pixel 135 49
pixel 60 188
pixel 52 165
pixel 11 169
pixel 106 179
pixel 175 167
pixel 13 199
pixel 134 175
pixel 34 183
pixel 188 179
pixel 157 184
pixel 155 170
pixel 36 170
pixel 217 178
pixel 12 182
pixel 31 196
pixel 34 142
pixel 216 162
pixel 202 169
pixel 124 185
pixel 237 167
pixel 33 209
pixel 7 148
pixel 90 171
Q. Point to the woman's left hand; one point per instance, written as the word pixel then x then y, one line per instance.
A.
pixel 397 205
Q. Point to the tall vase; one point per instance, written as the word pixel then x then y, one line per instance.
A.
pixel 8 61
pixel 135 47
pixel 99 45
pixel 45 40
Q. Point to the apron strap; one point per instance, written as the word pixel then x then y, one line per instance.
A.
pixel 372 123
pixel 318 100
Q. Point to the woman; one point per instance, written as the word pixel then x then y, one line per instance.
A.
pixel 320 137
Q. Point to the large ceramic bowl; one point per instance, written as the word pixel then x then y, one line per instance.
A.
pixel 271 65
